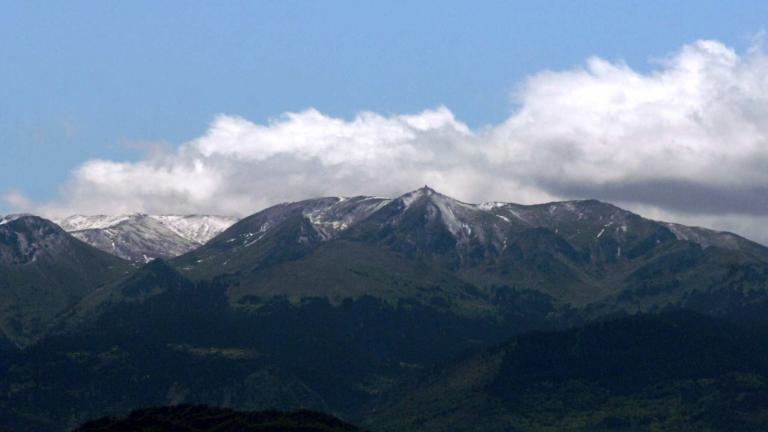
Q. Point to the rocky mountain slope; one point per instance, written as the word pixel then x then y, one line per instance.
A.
pixel 141 237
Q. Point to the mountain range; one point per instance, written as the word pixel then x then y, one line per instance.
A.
pixel 357 306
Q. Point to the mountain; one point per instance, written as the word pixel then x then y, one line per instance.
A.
pixel 579 253
pixel 200 418
pixel 43 272
pixel 668 372
pixel 141 237
pixel 336 304
pixel 300 250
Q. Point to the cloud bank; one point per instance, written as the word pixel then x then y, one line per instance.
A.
pixel 687 142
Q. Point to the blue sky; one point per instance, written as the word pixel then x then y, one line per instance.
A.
pixel 83 80
pixel 181 107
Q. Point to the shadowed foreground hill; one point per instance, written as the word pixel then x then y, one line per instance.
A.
pixel 201 418
pixel 670 372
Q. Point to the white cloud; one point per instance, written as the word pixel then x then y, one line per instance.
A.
pixel 700 118
pixel 688 140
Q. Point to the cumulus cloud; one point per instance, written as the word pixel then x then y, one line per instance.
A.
pixel 699 120
pixel 687 141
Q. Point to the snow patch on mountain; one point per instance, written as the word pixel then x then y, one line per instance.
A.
pixel 81 222
pixel 197 228
pixel 336 217
pixel 704 237
pixel 467 223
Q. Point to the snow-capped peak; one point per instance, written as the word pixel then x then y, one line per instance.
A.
pixel 141 237
pixel 463 220
pixel 411 197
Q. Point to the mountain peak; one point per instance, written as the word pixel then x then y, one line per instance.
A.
pixel 424 192
pixel 30 224
pixel 25 238
pixel 12 217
